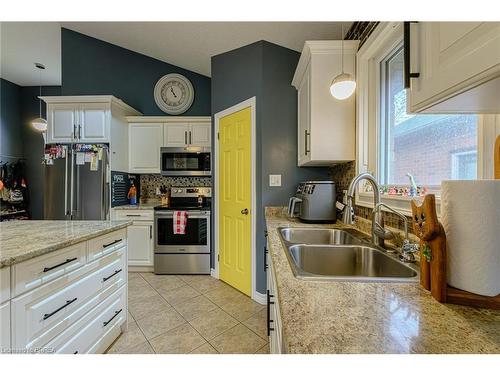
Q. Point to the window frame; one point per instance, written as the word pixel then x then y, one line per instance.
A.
pixel 386 37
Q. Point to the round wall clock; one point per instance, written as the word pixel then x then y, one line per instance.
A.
pixel 174 94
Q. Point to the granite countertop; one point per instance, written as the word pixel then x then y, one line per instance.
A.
pixel 148 205
pixel 363 317
pixel 22 240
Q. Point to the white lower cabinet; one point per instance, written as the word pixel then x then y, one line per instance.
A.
pixel 40 315
pixel 5 326
pixel 140 239
pixel 273 313
pixel 88 335
pixel 140 236
pixel 78 309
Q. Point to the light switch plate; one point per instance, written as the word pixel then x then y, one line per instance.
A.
pixel 274 180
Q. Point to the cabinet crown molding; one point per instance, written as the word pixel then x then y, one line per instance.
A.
pixel 321 47
pixel 109 99
pixel 168 119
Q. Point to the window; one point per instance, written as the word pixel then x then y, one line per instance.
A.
pixel 430 147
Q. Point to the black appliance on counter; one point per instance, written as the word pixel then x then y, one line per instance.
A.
pixel 187 253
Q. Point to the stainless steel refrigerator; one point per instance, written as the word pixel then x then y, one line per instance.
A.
pixel 75 192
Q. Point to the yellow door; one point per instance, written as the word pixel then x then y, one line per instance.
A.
pixel 234 199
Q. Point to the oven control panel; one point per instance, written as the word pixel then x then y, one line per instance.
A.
pixel 187 192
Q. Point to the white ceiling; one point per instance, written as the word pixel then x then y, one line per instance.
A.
pixel 23 44
pixel 189 45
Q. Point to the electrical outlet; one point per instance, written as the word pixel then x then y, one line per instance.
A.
pixel 274 180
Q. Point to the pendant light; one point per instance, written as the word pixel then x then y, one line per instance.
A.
pixel 343 85
pixel 40 123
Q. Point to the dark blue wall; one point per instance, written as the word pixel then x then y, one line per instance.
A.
pixel 11 143
pixel 265 70
pixel 94 67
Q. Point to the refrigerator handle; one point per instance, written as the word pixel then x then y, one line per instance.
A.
pixel 72 185
pixel 106 193
pixel 66 186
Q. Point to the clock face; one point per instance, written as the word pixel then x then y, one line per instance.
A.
pixel 174 94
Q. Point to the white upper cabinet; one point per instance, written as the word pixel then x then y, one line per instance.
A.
pixel 62 120
pixel 326 126
pixel 176 135
pixel 94 123
pixel 187 134
pixel 147 134
pixel 458 65
pixel 145 141
pixel 200 135
pixel 86 119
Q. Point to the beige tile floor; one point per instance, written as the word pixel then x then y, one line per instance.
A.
pixel 190 314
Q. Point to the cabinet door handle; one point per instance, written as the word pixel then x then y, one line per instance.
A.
pixel 269 320
pixel 265 259
pixel 190 137
pixel 186 137
pixel 150 231
pixel 306 135
pixel 79 131
pixel 111 244
pixel 47 316
pixel 407 54
pixel 114 316
pixel 104 279
pixel 47 269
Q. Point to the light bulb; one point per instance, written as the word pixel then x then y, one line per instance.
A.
pixel 342 86
pixel 39 124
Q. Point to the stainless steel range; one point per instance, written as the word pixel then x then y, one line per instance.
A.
pixel 187 253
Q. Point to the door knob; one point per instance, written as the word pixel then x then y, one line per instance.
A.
pixel 244 211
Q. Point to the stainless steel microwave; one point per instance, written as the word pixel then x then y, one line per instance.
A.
pixel 186 161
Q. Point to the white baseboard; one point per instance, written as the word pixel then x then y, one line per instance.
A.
pixel 140 269
pixel 260 298
pixel 213 273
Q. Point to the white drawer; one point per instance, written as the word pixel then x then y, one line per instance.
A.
pixel 4 284
pixel 4 327
pixel 38 316
pixel 134 215
pixel 106 244
pixel 104 319
pixel 40 270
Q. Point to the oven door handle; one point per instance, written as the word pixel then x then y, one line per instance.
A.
pixel 190 216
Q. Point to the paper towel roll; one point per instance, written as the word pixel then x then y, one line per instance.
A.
pixel 470 213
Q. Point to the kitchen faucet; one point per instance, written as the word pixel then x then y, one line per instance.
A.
pixel 379 233
pixel 348 217
pixel 407 249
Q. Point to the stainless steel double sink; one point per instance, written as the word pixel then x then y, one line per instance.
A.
pixel 341 254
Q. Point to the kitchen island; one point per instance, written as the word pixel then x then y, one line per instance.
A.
pixel 368 317
pixel 63 285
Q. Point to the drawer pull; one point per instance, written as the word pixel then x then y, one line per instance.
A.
pixel 114 316
pixel 47 316
pixel 47 269
pixel 134 215
pixel 111 244
pixel 110 276
pixel 269 320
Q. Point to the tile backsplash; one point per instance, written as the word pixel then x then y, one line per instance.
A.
pixel 343 174
pixel 149 183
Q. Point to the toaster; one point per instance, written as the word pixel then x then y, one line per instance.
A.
pixel 314 201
